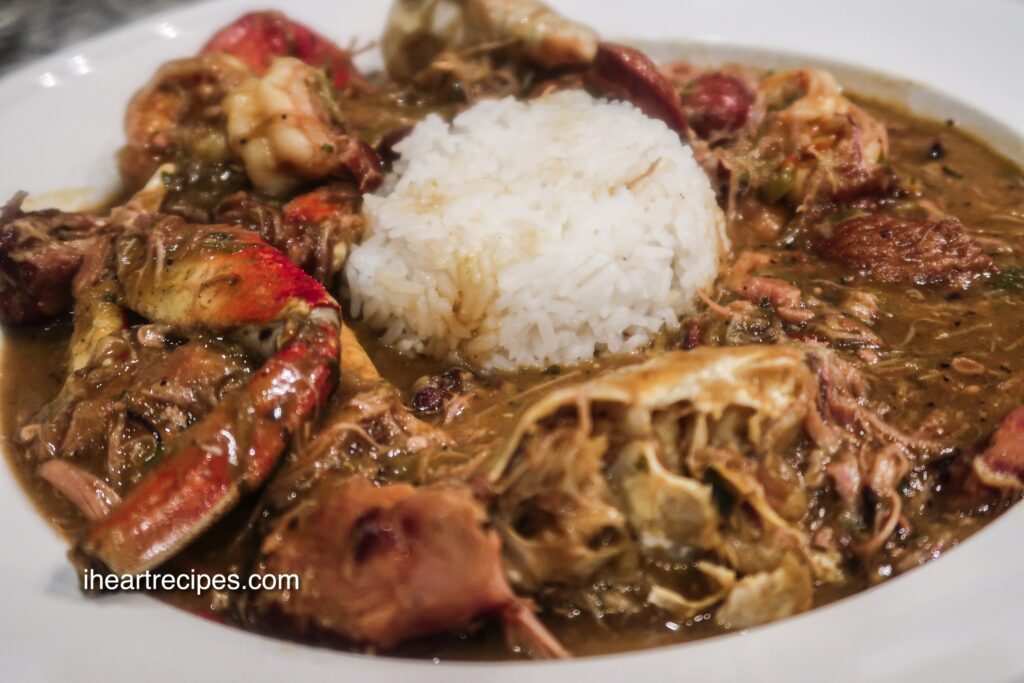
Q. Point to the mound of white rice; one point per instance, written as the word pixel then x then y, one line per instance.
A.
pixel 536 233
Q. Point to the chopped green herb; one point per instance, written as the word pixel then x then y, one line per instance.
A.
pixel 778 185
pixel 951 173
pixel 1010 278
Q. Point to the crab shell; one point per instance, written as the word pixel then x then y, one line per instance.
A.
pixel 775 382
pixel 628 455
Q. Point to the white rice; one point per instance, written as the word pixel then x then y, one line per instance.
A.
pixel 536 233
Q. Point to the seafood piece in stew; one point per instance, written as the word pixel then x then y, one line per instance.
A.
pixel 526 346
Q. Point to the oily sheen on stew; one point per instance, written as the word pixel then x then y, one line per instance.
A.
pixel 526 346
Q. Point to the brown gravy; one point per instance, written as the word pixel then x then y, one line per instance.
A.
pixel 925 331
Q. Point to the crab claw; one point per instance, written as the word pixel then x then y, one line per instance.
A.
pixel 224 280
pixel 315 230
pixel 256 38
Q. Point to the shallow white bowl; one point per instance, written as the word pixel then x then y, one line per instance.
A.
pixel 957 619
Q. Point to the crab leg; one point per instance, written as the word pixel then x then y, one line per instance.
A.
pixel 229 281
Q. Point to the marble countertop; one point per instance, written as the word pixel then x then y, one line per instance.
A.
pixel 32 28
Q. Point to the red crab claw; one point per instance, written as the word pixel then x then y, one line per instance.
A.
pixel 224 280
pixel 315 230
pixel 256 38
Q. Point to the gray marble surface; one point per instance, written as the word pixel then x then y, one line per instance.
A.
pixel 32 28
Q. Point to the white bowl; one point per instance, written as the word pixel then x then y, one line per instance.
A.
pixel 955 619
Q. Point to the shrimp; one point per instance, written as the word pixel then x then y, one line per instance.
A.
pixel 287 130
pixel 819 97
pixel 813 149
pixel 1001 464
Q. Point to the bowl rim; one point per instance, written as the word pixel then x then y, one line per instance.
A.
pixel 768 650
